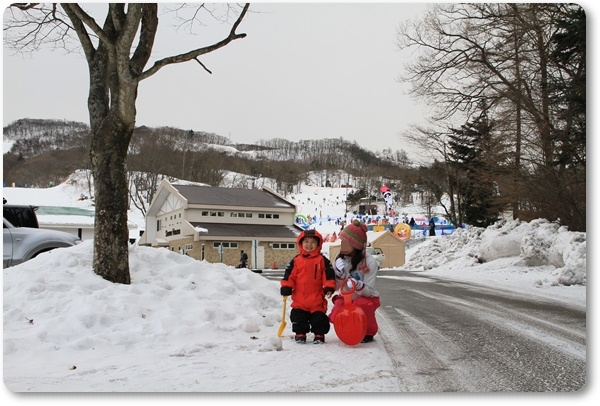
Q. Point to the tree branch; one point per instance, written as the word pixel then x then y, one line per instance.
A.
pixel 192 55
pixel 146 42
pixel 201 64
pixel 79 28
pixel 85 18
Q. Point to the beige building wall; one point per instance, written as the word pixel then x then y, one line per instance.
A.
pixel 279 258
pixel 393 248
pixel 274 258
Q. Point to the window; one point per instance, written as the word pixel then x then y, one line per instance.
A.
pixel 225 244
pixel 188 247
pixel 284 245
pixel 268 216
pixel 21 216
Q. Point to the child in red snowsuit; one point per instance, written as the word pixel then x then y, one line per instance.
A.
pixel 309 279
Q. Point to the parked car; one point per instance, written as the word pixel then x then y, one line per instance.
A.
pixel 21 215
pixel 376 253
pixel 20 244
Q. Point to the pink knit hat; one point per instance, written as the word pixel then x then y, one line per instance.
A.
pixel 356 234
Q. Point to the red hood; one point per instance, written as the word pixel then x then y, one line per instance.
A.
pixel 309 233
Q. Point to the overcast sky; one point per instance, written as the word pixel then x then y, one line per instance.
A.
pixel 304 71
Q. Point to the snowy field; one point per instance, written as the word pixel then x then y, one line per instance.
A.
pixel 189 326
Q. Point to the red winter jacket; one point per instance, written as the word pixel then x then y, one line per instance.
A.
pixel 309 274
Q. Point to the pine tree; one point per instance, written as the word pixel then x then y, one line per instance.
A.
pixel 474 154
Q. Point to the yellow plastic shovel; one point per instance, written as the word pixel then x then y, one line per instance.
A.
pixel 283 323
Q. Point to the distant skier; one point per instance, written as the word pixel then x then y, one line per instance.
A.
pixel 431 228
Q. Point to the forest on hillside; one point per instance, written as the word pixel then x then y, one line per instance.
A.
pixel 46 152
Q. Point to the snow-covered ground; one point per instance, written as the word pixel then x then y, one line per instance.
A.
pixel 189 326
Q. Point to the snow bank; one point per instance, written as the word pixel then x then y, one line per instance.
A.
pixel 538 243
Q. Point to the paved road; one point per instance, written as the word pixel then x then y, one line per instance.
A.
pixel 453 336
pixel 446 336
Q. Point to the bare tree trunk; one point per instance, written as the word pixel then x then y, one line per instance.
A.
pixel 518 135
pixel 111 234
pixel 111 103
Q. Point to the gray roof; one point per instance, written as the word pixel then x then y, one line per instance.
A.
pixel 231 197
pixel 249 230
pixel 64 211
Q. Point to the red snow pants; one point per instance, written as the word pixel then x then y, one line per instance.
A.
pixel 367 304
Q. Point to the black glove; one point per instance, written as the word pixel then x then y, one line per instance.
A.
pixel 328 291
pixel 286 291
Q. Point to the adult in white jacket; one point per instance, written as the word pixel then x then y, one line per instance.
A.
pixel 354 263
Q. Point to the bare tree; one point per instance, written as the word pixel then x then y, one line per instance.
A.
pixel 117 65
pixel 505 55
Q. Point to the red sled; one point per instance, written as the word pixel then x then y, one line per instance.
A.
pixel 350 322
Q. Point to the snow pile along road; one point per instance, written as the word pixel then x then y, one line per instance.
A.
pixel 538 243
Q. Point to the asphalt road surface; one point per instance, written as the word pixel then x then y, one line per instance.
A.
pixel 446 336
